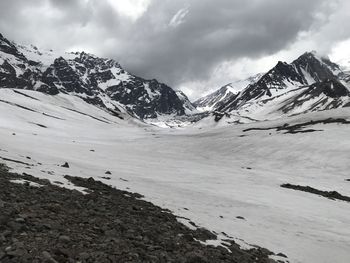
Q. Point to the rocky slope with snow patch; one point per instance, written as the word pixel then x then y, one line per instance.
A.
pixel 40 222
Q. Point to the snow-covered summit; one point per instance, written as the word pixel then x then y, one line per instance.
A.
pixel 224 94
pixel 288 88
pixel 100 81
pixel 310 83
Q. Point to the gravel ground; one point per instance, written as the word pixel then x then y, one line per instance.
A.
pixel 54 224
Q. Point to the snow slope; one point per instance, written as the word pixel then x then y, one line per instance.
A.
pixel 209 175
pixel 224 94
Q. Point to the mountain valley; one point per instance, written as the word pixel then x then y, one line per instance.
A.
pixel 260 163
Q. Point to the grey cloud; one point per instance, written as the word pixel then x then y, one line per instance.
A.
pixel 208 33
pixel 213 31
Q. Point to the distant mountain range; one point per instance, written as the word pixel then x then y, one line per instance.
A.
pixel 309 83
pixel 224 94
pixel 99 81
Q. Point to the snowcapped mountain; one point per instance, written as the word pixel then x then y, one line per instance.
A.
pixel 345 75
pixel 224 94
pixel 309 83
pixel 16 70
pixel 99 81
pixel 304 71
pixel 188 105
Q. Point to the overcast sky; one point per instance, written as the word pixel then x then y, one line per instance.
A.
pixel 193 45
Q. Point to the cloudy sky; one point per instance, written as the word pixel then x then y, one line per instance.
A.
pixel 193 45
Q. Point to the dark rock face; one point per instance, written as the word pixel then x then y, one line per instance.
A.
pixel 53 224
pixel 62 75
pixel 300 127
pixel 93 79
pixel 8 77
pixel 16 71
pixel 332 88
pixel 319 69
pixel 334 195
pixel 8 47
pixel 331 94
pixel 21 75
pixel 146 98
pixel 51 90
pixel 86 74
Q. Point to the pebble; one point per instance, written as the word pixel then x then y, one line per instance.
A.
pixel 64 239
pixel 48 258
pixel 20 220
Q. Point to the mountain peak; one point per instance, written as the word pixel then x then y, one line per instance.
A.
pixel 99 81
pixel 2 38
pixel 281 64
pixel 315 68
pixel 310 55
pixel 91 61
pixel 283 80
pixel 315 56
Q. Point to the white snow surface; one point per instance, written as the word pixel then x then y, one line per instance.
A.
pixel 239 85
pixel 119 76
pixel 22 181
pixel 45 57
pixel 211 100
pixel 203 169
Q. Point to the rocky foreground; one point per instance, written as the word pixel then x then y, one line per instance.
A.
pixel 46 223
